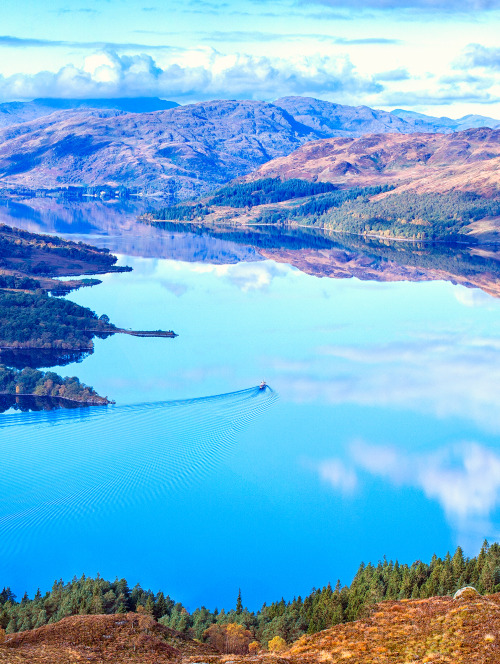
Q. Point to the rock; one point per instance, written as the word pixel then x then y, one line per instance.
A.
pixel 467 592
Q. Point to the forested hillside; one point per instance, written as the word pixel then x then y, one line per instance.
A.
pixel 35 320
pixel 371 210
pixel 322 608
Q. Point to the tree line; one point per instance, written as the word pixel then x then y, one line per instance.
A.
pixel 268 190
pixel 35 320
pixel 241 630
pixel 426 217
pixel 246 195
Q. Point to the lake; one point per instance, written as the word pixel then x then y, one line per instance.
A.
pixel 378 434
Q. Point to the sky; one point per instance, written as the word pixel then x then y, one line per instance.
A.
pixel 439 57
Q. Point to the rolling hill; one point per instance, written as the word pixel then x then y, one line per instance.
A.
pixel 463 161
pixel 177 152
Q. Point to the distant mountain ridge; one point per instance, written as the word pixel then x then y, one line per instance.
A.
pixel 176 151
pixel 183 151
pixel 332 120
pixel 15 112
pixel 466 122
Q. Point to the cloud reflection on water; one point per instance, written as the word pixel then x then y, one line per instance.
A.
pixel 464 478
pixel 446 374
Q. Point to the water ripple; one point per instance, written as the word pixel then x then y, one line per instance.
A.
pixel 80 464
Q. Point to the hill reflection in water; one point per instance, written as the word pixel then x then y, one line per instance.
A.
pixel 315 251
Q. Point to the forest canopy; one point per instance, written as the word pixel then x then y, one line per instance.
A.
pixel 35 320
pixel 288 620
pixel 359 210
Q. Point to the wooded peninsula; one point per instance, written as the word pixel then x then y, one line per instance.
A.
pixel 30 382
pixel 33 322
pixel 378 210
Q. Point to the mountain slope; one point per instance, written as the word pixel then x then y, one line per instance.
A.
pixel 187 150
pixel 178 152
pixel 337 120
pixel 331 120
pixel 424 163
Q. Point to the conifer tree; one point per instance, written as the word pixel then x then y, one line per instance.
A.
pixel 239 603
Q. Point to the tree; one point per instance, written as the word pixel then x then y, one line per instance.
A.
pixel 277 644
pixel 239 604
pixel 230 638
pixel 150 607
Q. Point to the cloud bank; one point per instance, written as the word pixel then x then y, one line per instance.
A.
pixel 194 76
pixel 205 73
pixel 476 55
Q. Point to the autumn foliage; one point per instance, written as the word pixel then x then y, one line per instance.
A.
pixel 230 638
pixel 277 644
pixel 438 630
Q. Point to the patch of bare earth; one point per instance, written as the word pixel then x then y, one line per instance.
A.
pixel 117 639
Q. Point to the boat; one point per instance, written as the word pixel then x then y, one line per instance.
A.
pixel 263 385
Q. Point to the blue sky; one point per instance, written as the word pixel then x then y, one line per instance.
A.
pixel 434 56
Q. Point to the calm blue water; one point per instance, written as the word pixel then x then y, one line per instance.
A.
pixel 380 436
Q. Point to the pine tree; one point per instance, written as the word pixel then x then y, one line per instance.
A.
pixel 239 604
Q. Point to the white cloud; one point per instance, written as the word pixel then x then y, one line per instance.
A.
pixel 476 55
pixel 199 74
pixel 339 476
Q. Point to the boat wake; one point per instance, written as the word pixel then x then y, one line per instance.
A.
pixel 62 466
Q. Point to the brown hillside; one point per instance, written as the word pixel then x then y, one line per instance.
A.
pixel 118 639
pixel 439 630
pixel 464 161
